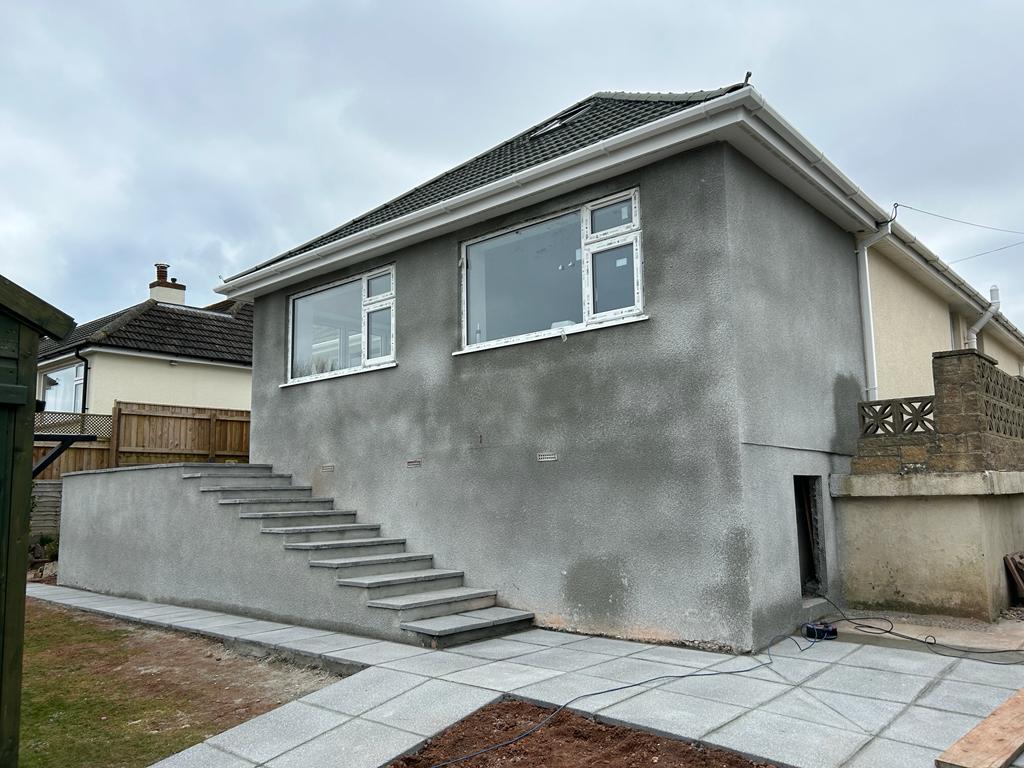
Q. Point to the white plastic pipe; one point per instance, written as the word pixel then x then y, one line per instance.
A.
pixel 972 332
pixel 867 320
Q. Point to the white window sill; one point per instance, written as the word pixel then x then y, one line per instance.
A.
pixel 553 333
pixel 338 374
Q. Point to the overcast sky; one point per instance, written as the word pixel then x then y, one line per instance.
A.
pixel 213 135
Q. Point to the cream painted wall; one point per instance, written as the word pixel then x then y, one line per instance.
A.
pixel 1008 360
pixel 150 380
pixel 910 322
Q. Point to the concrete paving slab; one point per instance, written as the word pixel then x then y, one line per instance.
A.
pixel 336 641
pixel 211 622
pixel 376 653
pixel 495 650
pixel 999 675
pixel 546 637
pixel 872 683
pixel 267 736
pixel 898 660
pixel 827 650
pixel 204 756
pixel 608 646
pixel 276 637
pixel 836 710
pixel 435 663
pixel 629 669
pixel 356 744
pixel 563 659
pixel 670 714
pixel 782 669
pixel 501 676
pixel 732 689
pixel 684 657
pixel 431 707
pixel 364 690
pixel 171 620
pixel 965 698
pixel 795 742
pixel 882 753
pixel 929 727
pixel 556 691
pixel 243 629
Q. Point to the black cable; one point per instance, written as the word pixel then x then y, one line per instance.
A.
pixel 929 641
pixel 958 221
pixel 985 253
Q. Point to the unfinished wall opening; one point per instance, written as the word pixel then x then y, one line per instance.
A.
pixel 807 491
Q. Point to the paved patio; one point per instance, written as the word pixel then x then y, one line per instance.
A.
pixel 835 705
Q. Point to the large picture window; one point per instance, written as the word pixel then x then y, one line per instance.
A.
pixel 63 389
pixel 564 274
pixel 344 327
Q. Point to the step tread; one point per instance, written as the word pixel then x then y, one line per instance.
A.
pixel 305 500
pixel 286 514
pixel 341 543
pixel 466 622
pixel 400 577
pixel 256 488
pixel 422 599
pixel 235 474
pixel 347 562
pixel 323 528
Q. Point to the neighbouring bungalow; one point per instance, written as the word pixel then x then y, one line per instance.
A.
pixel 597 376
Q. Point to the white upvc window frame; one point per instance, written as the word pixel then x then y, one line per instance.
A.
pixel 368 304
pixel 590 243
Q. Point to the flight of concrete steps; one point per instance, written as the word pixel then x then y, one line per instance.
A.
pixel 431 606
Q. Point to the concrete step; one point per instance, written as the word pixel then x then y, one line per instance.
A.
pixel 260 492
pixel 222 467
pixel 404 582
pixel 458 628
pixel 369 565
pixel 302 517
pixel 220 479
pixel 367 546
pixel 328 532
pixel 425 605
pixel 250 504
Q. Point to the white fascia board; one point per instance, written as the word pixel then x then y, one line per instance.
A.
pixel 169 358
pixel 53 363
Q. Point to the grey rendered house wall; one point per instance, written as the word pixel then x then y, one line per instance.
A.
pixel 800 369
pixel 642 528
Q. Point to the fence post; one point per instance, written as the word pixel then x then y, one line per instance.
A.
pixel 213 437
pixel 115 433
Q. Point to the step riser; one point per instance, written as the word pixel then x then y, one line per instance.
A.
pixel 390 590
pixel 371 549
pixel 281 522
pixel 444 609
pixel 376 569
pixel 250 481
pixel 260 493
pixel 360 533
pixel 280 505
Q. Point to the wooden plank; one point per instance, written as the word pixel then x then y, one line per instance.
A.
pixel 992 743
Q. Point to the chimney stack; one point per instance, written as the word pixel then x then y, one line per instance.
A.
pixel 168 291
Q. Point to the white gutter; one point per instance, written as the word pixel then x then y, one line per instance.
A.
pixel 972 332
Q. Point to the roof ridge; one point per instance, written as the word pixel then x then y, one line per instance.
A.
pixel 119 322
pixel 667 95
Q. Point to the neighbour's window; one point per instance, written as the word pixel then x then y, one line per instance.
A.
pixel 344 327
pixel 63 389
pixel 566 273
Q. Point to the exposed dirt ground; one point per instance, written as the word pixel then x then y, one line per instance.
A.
pixel 568 741
pixel 102 692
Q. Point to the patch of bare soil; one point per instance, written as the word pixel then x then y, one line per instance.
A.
pixel 568 741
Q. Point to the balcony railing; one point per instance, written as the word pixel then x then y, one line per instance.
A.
pixel 65 423
pixel 899 416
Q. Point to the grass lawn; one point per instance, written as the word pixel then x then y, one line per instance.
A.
pixel 106 694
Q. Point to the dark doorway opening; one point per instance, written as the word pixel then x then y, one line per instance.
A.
pixel 807 490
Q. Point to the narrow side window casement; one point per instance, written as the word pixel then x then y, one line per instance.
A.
pixel 342 328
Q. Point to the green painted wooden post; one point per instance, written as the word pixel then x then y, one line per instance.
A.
pixel 23 318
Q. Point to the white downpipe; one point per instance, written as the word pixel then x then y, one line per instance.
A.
pixel 974 330
pixel 867 318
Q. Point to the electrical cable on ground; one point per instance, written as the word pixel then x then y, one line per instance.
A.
pixel 929 641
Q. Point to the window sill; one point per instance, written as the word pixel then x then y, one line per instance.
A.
pixel 337 374
pixel 553 333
